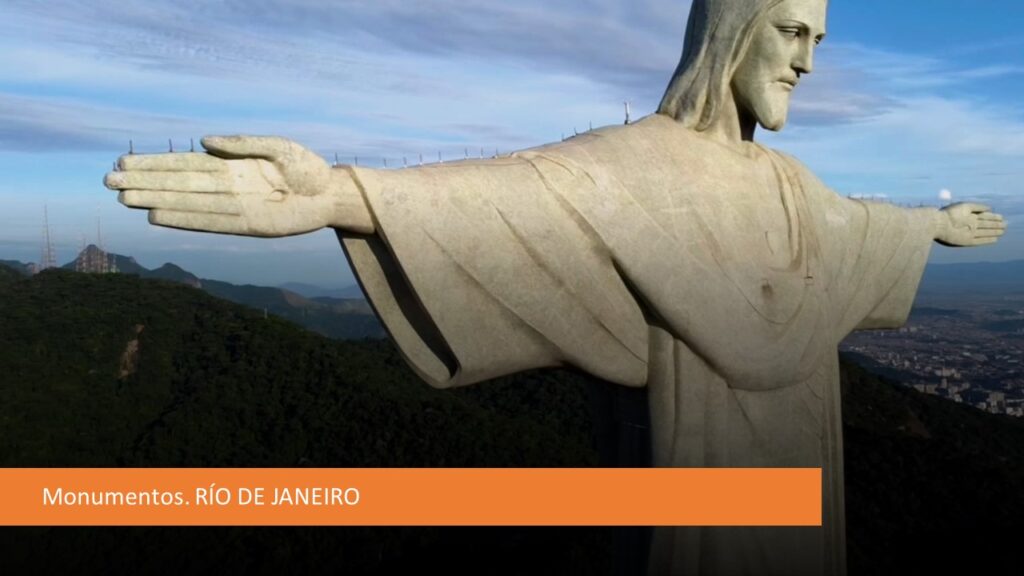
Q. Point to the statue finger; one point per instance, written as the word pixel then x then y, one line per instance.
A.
pixel 169 181
pixel 991 225
pixel 180 201
pixel 180 162
pixel 266 147
pixel 989 233
pixel 985 241
pixel 991 216
pixel 218 223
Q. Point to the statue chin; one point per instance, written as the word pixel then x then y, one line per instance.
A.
pixel 772 113
pixel 773 124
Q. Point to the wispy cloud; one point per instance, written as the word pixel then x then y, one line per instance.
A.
pixel 353 62
pixel 393 78
pixel 852 82
pixel 607 40
pixel 54 124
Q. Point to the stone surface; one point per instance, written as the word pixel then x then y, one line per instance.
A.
pixel 673 253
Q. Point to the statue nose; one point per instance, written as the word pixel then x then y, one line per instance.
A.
pixel 803 63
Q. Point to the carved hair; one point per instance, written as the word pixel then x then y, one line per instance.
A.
pixel 718 35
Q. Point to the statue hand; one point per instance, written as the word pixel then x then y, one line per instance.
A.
pixel 246 185
pixel 969 224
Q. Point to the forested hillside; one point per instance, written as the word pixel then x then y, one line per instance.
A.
pixel 114 370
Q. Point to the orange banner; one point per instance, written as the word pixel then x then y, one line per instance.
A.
pixel 410 497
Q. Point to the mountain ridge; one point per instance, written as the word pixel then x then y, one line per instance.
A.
pixel 333 317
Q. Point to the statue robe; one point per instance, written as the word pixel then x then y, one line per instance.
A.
pixel 649 255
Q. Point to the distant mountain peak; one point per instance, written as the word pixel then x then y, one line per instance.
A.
pixel 94 259
pixel 170 271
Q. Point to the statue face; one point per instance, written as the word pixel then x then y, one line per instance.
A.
pixel 782 49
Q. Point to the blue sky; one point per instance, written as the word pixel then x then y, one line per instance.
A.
pixel 907 99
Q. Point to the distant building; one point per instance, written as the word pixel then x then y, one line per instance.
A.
pixel 926 388
pixel 996 402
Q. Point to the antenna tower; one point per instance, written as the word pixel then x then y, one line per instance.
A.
pixel 49 259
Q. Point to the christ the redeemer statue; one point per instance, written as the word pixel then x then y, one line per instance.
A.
pixel 673 253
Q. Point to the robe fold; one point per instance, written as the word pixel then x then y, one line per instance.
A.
pixel 649 255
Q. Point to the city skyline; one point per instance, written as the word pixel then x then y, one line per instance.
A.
pixel 913 103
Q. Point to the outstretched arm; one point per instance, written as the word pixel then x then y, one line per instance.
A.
pixel 968 224
pixel 884 295
pixel 477 268
pixel 244 185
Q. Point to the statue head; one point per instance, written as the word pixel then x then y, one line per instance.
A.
pixel 747 53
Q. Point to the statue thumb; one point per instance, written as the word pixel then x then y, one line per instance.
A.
pixel 270 148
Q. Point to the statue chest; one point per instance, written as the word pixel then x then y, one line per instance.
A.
pixel 754 224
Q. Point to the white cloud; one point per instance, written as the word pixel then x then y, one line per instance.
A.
pixel 392 78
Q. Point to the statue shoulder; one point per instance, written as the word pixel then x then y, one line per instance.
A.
pixel 787 158
pixel 801 170
pixel 650 139
pixel 611 144
pixel 822 200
